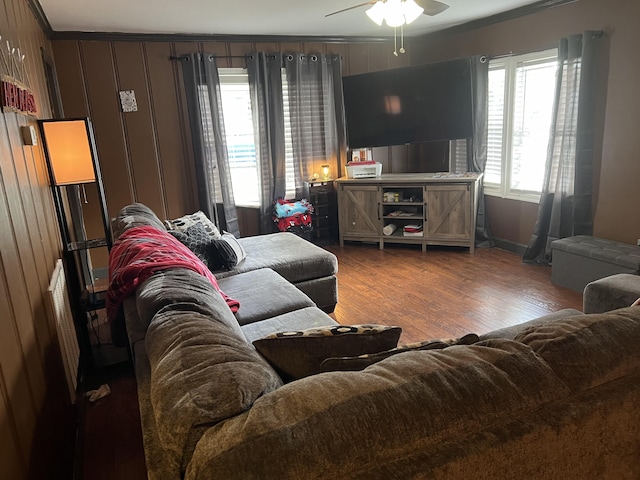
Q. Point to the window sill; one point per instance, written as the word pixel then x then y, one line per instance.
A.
pixel 512 196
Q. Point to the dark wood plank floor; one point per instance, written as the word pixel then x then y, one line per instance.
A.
pixel 444 292
pixel 441 293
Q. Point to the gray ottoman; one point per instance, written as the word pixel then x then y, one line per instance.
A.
pixel 578 260
pixel 610 293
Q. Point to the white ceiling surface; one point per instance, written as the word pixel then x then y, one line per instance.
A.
pixel 251 17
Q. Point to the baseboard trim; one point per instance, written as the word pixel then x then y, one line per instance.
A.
pixel 510 246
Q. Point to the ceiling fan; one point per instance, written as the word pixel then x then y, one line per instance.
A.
pixel 431 7
pixel 397 13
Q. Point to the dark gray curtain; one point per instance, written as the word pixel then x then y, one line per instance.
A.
pixel 565 202
pixel 477 146
pixel 265 87
pixel 202 87
pixel 316 113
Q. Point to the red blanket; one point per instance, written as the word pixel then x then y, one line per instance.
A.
pixel 139 253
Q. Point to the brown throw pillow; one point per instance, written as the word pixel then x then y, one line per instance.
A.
pixel 363 361
pixel 298 354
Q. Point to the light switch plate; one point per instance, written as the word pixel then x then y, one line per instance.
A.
pixel 29 135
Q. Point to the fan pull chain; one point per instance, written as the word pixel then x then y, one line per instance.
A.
pixel 402 50
pixel 395 41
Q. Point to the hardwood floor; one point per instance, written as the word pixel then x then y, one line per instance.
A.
pixel 444 292
pixel 441 293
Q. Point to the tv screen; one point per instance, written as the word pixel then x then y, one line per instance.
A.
pixel 408 105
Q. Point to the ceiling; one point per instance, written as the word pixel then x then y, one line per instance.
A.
pixel 250 17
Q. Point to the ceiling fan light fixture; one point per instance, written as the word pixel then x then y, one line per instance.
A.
pixel 378 12
pixel 394 15
pixel 411 10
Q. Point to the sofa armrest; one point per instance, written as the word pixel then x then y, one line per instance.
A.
pixel 611 293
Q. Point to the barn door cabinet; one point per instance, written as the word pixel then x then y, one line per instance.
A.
pixel 420 208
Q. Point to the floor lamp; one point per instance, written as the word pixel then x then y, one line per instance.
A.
pixel 72 162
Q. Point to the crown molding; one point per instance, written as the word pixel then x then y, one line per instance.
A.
pixel 41 17
pixel 182 37
pixel 497 18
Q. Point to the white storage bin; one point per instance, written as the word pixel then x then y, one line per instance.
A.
pixel 364 171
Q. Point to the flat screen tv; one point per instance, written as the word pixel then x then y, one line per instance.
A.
pixel 423 103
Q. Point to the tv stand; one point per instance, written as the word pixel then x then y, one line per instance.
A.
pixel 442 205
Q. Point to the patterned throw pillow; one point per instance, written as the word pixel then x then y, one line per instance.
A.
pixel 182 223
pixel 354 363
pixel 298 354
pixel 198 240
pixel 229 251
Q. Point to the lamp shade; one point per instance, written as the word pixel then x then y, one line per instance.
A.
pixel 394 14
pixel 411 10
pixel 377 12
pixel 69 151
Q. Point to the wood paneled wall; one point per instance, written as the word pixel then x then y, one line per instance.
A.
pixel 36 417
pixel 146 156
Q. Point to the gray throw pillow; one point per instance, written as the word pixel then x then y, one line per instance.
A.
pixel 183 223
pixel 229 251
pixel 198 240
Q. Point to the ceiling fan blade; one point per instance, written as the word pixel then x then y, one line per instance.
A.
pixel 350 8
pixel 432 7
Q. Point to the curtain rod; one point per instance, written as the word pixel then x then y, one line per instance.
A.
pixel 249 55
pixel 181 57
pixel 594 33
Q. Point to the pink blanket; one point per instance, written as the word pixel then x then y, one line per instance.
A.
pixel 139 253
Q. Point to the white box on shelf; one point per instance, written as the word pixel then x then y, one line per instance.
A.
pixel 364 171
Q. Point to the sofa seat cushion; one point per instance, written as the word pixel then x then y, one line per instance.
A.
pixel 263 294
pixel 202 372
pixel 302 319
pixel 589 350
pixel 291 256
pixel 407 403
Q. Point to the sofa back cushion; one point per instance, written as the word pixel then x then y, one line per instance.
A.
pixel 345 424
pixel 134 215
pixel 202 372
pixel 589 350
pixel 179 285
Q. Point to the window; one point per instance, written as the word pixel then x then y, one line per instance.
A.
pixel 238 124
pixel 520 103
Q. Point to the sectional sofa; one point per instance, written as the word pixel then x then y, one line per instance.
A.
pixel 557 397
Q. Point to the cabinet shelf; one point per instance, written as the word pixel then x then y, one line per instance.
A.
pixel 403 217
pixel 403 204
